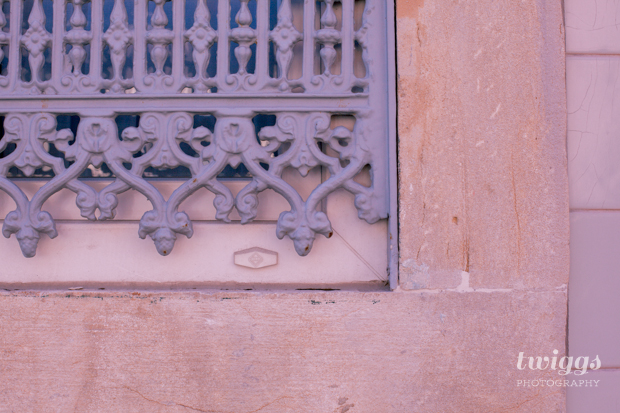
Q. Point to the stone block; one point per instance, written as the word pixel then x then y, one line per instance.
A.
pixel 276 352
pixel 482 158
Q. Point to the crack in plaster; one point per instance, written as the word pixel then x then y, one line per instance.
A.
pixel 173 403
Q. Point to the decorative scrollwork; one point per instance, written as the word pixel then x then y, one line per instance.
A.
pixel 29 133
pixel 296 138
pixel 168 136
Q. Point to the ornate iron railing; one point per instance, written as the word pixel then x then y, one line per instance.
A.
pixel 100 67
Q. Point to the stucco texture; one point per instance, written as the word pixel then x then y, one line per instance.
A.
pixel 483 232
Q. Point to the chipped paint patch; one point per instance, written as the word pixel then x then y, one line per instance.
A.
pixel 414 276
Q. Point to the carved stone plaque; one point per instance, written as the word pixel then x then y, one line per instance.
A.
pixel 256 258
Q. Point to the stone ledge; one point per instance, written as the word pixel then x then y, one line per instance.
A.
pixel 276 351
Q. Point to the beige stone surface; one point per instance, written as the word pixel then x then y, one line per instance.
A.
pixel 482 131
pixel 275 352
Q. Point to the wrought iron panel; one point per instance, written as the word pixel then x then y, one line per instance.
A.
pixel 155 62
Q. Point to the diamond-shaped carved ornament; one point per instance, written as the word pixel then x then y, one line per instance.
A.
pixel 256 258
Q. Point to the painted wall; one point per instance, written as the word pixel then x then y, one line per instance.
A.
pixel 592 71
pixel 483 267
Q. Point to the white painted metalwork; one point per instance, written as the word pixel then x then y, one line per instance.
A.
pixel 137 63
